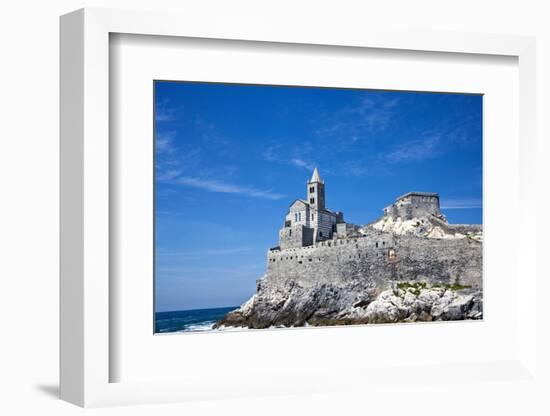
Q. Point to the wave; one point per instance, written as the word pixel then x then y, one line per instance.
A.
pixel 207 327
pixel 198 327
pixel 194 320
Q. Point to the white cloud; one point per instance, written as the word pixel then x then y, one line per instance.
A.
pixel 416 150
pixel 298 156
pixel 209 133
pixel 376 114
pixel 167 175
pixel 466 203
pixel 198 254
pixel 164 142
pixel 442 139
pixel 184 168
pixel 354 168
pixel 164 112
pixel 371 115
pixel 302 164
pixel 271 154
pixel 227 188
pixel 192 273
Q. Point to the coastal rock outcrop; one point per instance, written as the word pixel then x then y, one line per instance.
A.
pixel 409 265
pixel 428 226
pixel 327 304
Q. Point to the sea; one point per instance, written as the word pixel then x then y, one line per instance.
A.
pixel 195 320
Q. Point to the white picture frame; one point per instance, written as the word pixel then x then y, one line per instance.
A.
pixel 86 262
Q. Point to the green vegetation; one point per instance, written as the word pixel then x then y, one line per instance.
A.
pixel 413 287
pixel 457 286
pixel 416 287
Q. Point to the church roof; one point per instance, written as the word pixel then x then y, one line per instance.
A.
pixel 316 177
pixel 299 200
pixel 431 194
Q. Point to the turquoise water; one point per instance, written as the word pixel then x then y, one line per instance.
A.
pixel 195 320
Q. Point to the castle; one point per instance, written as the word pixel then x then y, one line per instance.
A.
pixel 309 221
pixel 317 245
pixel 328 272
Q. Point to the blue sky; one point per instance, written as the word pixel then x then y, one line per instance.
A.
pixel 230 158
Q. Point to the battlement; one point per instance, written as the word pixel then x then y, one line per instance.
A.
pixel 415 204
pixel 373 239
pixel 418 194
pixel 331 259
pixel 377 256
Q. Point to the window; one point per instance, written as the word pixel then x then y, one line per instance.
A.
pixel 296 216
pixel 312 217
pixel 299 216
pixel 311 189
pixel 290 232
pixel 320 233
pixel 312 200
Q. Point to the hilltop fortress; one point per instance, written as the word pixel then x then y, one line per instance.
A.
pixel 326 271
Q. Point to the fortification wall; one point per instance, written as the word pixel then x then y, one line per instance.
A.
pixel 295 236
pixel 440 260
pixel 414 206
pixel 465 228
pixel 342 260
pixel 378 258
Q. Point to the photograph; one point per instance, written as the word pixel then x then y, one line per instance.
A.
pixel 300 206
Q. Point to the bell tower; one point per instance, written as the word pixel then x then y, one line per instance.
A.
pixel 316 192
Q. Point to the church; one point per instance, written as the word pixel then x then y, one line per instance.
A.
pixel 308 220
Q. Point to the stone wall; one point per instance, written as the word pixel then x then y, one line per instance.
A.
pixel 324 224
pixel 378 258
pixel 440 260
pixel 332 260
pixel 345 230
pixel 465 228
pixel 414 205
pixel 295 236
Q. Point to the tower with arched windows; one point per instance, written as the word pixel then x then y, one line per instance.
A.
pixel 316 191
pixel 309 221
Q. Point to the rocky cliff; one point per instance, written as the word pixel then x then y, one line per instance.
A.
pixel 393 271
pixel 428 226
pixel 328 304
